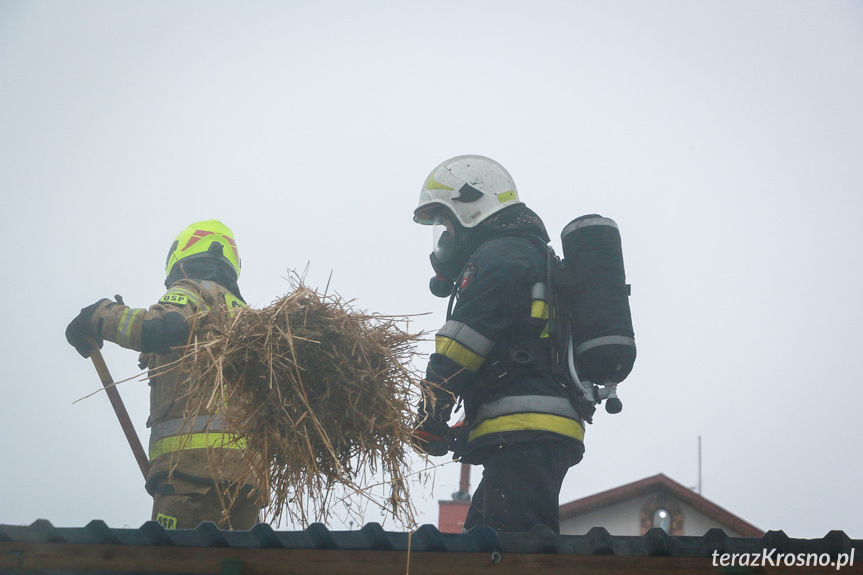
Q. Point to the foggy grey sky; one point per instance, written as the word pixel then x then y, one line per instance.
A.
pixel 724 137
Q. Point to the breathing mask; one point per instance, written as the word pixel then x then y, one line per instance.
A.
pixel 444 257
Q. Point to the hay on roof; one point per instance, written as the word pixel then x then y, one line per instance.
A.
pixel 321 394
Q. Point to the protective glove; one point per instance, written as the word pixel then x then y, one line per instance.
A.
pixel 432 433
pixel 430 443
pixel 80 335
pixel 457 438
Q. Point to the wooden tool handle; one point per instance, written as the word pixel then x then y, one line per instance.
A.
pixel 120 410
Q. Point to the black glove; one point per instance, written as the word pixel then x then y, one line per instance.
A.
pixel 428 442
pixel 457 439
pixel 78 332
pixel 432 432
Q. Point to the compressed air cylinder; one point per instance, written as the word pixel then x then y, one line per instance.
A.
pixel 597 299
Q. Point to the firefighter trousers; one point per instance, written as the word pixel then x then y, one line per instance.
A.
pixel 184 504
pixel 520 487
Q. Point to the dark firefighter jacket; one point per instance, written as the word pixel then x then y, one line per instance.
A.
pixel 200 448
pixel 494 354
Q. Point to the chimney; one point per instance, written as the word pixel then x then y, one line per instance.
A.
pixel 451 514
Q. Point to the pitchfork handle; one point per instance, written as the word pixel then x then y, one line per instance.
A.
pixel 120 410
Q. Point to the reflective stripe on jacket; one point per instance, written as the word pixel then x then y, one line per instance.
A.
pixel 463 345
pixel 493 351
pixel 191 448
pixel 526 412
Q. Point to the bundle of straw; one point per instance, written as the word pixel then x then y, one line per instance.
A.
pixel 321 395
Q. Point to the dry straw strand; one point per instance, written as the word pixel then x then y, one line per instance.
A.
pixel 320 393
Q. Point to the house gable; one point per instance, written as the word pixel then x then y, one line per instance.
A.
pixel 630 509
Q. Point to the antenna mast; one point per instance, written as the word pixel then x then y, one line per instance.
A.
pixel 699 465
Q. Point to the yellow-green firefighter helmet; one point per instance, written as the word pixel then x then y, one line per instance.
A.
pixel 210 238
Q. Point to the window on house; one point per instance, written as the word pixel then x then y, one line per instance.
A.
pixel 662 519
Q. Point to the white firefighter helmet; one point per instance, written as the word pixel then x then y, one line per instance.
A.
pixel 472 188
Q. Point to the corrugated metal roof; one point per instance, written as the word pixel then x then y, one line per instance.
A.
pixel 45 538
pixel 371 537
pixel 427 538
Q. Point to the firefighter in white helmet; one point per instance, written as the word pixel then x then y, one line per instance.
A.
pixel 490 256
pixel 198 471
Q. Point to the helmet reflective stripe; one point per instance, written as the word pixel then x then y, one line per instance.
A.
pixel 472 188
pixel 196 240
pixel 201 234
pixel 431 184
pixel 196 235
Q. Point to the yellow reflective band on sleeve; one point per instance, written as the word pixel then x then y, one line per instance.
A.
pixel 233 302
pixel 458 353
pixel 539 309
pixel 196 441
pixel 529 422
pixel 124 327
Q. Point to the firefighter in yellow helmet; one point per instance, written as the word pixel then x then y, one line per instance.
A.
pixel 191 461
